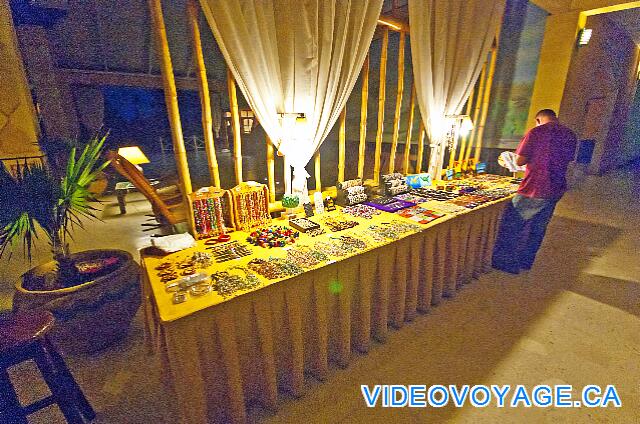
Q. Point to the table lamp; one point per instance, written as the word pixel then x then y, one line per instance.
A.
pixel 134 155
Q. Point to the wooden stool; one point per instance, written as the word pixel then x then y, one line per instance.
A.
pixel 23 337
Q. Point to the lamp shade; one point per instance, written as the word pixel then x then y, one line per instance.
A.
pixel 133 154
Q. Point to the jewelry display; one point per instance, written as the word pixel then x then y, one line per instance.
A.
pixel 431 194
pixel 303 224
pixel 394 184
pixel 187 275
pixel 228 251
pixel 275 268
pixel 265 268
pixel 419 214
pixel 333 247
pixel 315 232
pixel 443 207
pixel 404 227
pixel 305 256
pixel 351 192
pixel 361 211
pixel 388 204
pixel 251 205
pixel 190 280
pixel 392 177
pixel 227 284
pixel 208 214
pixel 386 232
pixel 288 268
pixel 336 224
pixel 409 197
pixel 202 259
pixel 200 289
pixel 273 237
pixel 172 287
pixel 353 242
pixel 179 297
pixel 349 183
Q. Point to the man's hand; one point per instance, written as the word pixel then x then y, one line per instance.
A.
pixel 521 160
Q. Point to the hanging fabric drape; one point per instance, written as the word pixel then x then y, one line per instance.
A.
pixel 450 40
pixel 293 57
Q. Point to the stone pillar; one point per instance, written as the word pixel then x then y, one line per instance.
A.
pixel 53 96
pixel 18 128
pixel 558 47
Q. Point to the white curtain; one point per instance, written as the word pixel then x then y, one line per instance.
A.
pixel 294 56
pixel 450 40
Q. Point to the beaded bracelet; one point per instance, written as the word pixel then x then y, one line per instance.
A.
pixel 361 211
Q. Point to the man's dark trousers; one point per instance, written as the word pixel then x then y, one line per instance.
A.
pixel 522 229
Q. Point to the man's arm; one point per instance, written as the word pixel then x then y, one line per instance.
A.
pixel 524 150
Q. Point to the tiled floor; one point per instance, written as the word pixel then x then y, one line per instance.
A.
pixel 574 319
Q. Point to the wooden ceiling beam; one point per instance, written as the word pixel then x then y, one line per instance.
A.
pixel 129 79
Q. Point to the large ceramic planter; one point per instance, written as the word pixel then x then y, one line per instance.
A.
pixel 92 315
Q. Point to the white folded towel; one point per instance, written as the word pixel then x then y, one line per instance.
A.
pixel 174 242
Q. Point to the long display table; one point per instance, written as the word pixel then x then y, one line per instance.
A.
pixel 221 355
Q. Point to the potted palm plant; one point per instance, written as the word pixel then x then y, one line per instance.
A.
pixel 93 294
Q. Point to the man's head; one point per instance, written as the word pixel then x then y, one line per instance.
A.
pixel 544 116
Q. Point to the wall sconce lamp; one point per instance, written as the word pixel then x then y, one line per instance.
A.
pixel 584 36
pixel 459 125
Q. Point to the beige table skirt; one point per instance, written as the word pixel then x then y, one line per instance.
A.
pixel 249 349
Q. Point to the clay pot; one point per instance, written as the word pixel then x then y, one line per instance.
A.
pixel 92 315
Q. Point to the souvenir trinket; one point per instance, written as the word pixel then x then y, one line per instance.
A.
pixel 273 237
pixel 361 211
pixel 419 215
pixel 317 199
pixel 303 224
pixel 227 284
pixel 265 268
pixel 329 204
pixel 336 224
pixel 308 210
pixel 228 251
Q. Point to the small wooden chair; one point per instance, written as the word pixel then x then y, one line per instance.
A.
pixel 168 209
pixel 23 337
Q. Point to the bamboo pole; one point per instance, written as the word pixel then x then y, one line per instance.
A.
pixel 485 101
pixel 363 117
pixel 396 116
pixel 341 144
pixel 476 112
pixel 407 144
pixel 317 170
pixel 235 120
pixel 170 96
pixel 203 88
pixel 271 168
pixel 420 147
pixel 463 143
pixel 381 97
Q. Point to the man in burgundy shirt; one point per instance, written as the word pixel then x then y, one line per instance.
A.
pixel 546 150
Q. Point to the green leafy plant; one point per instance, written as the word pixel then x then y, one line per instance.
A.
pixel 56 202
